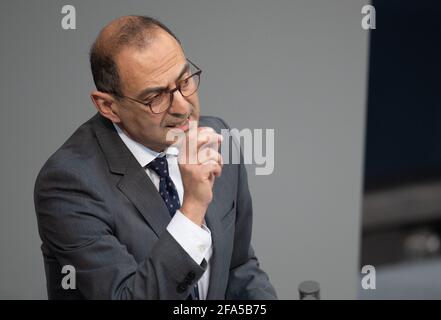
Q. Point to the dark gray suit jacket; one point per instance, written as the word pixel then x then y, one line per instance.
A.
pixel 99 212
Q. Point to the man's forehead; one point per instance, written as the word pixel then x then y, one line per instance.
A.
pixel 152 65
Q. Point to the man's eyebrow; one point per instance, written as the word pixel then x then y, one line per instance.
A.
pixel 155 89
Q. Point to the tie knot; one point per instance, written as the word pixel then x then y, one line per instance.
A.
pixel 160 166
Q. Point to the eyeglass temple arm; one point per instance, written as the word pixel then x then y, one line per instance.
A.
pixel 194 64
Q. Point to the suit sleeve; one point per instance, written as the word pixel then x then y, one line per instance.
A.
pixel 76 226
pixel 246 279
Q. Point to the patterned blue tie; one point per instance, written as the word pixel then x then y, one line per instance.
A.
pixel 167 188
pixel 169 194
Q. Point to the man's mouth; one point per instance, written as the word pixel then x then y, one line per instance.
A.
pixel 183 125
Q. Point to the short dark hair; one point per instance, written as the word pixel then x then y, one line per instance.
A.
pixel 134 31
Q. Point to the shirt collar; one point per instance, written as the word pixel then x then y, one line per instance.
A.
pixel 141 153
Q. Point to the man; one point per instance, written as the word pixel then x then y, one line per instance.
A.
pixel 119 203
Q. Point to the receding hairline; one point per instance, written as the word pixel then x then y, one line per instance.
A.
pixel 118 34
pixel 125 32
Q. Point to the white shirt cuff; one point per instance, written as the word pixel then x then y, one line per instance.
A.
pixel 194 239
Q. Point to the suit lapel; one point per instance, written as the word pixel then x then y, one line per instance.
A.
pixel 135 183
pixel 138 187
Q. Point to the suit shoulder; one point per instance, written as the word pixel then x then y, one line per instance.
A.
pixel 75 154
pixel 214 122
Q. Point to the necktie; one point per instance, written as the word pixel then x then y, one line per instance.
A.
pixel 167 188
pixel 169 194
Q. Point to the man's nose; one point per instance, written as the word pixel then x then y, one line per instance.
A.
pixel 180 104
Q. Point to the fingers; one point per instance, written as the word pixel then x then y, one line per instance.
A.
pixel 207 137
pixel 211 168
pixel 208 154
pixel 209 164
pixel 204 138
pixel 200 136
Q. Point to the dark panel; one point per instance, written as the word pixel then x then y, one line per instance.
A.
pixel 403 141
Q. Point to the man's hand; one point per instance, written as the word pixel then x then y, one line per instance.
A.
pixel 199 163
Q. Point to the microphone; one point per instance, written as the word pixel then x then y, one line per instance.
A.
pixel 309 290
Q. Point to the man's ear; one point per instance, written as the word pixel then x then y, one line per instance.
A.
pixel 106 105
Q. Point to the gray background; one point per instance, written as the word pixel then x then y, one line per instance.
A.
pixel 296 66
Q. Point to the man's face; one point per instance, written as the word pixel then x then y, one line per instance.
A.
pixel 161 65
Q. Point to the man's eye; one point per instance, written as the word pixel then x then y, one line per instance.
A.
pixel 150 98
pixel 157 100
pixel 185 83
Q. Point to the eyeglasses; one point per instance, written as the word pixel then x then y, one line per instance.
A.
pixel 162 100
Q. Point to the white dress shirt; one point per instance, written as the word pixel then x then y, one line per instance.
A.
pixel 195 240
